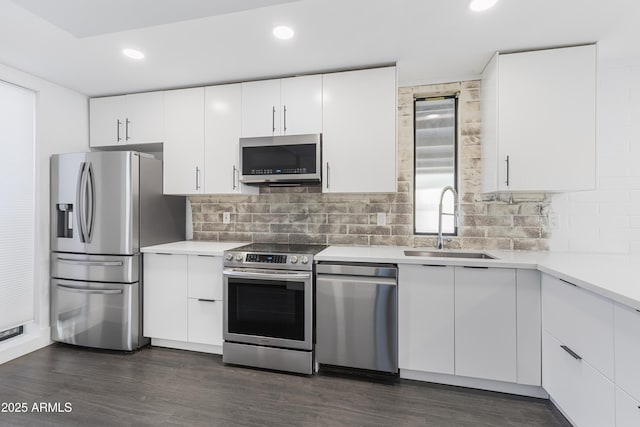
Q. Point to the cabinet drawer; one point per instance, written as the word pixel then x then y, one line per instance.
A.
pixel 584 394
pixel 627 410
pixel 627 350
pixel 205 277
pixel 580 320
pixel 205 322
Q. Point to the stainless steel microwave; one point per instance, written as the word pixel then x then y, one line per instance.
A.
pixel 281 160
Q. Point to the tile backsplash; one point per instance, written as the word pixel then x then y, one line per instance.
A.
pixel 306 215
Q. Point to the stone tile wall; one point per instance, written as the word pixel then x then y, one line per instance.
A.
pixel 305 215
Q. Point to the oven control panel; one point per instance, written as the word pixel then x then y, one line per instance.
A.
pixel 268 258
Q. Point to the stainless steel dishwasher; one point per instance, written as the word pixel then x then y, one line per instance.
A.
pixel 357 316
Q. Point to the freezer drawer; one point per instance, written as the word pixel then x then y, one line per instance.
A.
pixel 357 321
pixel 99 315
pixel 96 268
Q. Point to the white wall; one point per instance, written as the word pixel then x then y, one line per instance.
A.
pixel 62 125
pixel 608 219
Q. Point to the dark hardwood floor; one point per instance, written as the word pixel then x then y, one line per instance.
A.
pixel 157 386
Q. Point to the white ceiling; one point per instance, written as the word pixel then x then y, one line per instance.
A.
pixel 430 40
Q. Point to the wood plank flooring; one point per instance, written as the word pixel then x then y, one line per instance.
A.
pixel 157 386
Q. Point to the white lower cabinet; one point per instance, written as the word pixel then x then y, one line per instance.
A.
pixel 627 410
pixel 426 318
pixel 627 350
pixel 165 296
pixel 581 392
pixel 485 331
pixel 463 325
pixel 183 300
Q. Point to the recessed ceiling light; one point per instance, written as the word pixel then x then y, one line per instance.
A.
pixel 433 116
pixel 283 32
pixel 133 53
pixel 480 5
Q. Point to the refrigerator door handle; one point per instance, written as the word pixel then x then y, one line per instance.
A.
pixel 88 290
pixel 80 193
pixel 91 263
pixel 91 213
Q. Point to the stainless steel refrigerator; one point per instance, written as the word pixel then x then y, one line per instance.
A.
pixel 104 207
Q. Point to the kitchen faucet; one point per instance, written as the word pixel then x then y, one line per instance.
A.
pixel 455 213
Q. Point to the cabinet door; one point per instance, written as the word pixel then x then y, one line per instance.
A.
pixel 584 394
pixel 261 108
pixel 627 410
pixel 547 114
pixel 301 105
pixel 107 121
pixel 143 122
pixel 205 277
pixel 221 132
pixel 581 320
pixel 165 296
pixel 627 350
pixel 426 318
pixel 205 322
pixel 485 323
pixel 359 131
pixel 184 141
pixel 529 327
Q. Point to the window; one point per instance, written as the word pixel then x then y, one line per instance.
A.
pixel 17 122
pixel 435 167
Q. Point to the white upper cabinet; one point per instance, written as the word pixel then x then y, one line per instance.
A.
pixel 539 120
pixel 184 141
pixel 221 131
pixel 126 119
pixel 282 106
pixel 359 131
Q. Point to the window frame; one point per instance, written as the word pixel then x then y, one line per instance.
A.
pixel 456 177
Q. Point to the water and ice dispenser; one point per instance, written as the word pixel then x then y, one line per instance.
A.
pixel 64 220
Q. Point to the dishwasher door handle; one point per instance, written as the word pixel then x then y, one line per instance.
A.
pixel 360 280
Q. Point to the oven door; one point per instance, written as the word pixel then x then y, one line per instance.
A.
pixel 268 307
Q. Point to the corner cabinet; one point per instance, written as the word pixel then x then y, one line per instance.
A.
pixel 539 121
pixel 183 301
pixel 125 120
pixel 359 131
pixel 290 106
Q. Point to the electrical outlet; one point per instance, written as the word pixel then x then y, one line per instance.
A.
pixel 382 218
pixel 554 220
pixel 226 217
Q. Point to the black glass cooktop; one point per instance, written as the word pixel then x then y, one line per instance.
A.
pixel 281 248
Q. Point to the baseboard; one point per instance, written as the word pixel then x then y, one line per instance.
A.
pixel 190 346
pixel 477 383
pixel 26 343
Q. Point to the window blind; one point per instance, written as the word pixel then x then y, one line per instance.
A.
pixel 17 220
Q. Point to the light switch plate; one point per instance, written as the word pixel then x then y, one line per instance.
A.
pixel 382 218
pixel 226 217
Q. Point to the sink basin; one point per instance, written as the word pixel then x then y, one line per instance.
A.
pixel 443 254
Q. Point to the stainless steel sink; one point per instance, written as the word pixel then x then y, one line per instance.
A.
pixel 444 254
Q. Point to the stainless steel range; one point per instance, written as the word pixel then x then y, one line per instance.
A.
pixel 268 316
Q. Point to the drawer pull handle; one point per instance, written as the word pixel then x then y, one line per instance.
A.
pixel 471 266
pixel 568 283
pixel 206 300
pixel 433 265
pixel 571 352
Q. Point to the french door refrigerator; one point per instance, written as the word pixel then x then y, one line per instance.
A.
pixel 104 207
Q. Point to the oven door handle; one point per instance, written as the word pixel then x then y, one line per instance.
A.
pixel 266 276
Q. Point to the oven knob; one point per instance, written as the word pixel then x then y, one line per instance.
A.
pixel 239 257
pixel 293 259
pixel 228 257
pixel 304 260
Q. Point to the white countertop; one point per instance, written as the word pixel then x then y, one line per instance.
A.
pixel 610 275
pixel 191 247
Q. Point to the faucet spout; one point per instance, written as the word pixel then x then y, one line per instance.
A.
pixel 455 213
